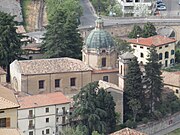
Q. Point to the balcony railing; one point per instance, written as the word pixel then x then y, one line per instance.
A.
pixel 31 116
pixel 31 127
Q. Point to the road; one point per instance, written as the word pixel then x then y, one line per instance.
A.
pixel 173 8
pixel 89 16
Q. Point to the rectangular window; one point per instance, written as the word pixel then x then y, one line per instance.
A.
pixel 166 45
pixel 47 131
pixel 103 62
pixel 63 120
pixel 73 82
pixel 30 124
pixel 47 110
pixel 1 111
pixel 3 122
pixel 141 47
pixel 177 91
pixel 57 83
pixel 105 78
pixel 30 113
pixel 30 132
pixel 134 46
pixel 64 110
pixel 47 120
pixel 41 84
pixel 148 48
pixel 43 132
pixel 160 47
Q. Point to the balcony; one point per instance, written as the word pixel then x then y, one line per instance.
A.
pixel 31 116
pixel 59 113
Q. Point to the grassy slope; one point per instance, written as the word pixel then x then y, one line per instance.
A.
pixel 175 132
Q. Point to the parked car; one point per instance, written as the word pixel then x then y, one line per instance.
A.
pixel 157 2
pixel 161 8
pixel 160 4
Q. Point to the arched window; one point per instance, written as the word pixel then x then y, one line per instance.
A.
pixel 172 52
pixel 160 56
pixel 103 62
pixel 142 55
pixel 166 55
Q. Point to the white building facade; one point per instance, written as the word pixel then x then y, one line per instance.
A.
pixel 136 7
pixel 43 115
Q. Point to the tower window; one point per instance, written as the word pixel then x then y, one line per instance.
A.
pixel 142 55
pixel 103 62
pixel 160 56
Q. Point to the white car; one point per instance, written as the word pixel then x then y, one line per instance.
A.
pixel 161 8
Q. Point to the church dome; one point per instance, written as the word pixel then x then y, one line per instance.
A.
pixel 99 38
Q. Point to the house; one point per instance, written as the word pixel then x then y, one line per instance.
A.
pixel 172 81
pixel 68 75
pixel 117 95
pixel 164 46
pixel 43 114
pixel 2 75
pixel 136 7
pixel 8 108
pixel 127 131
pixel 10 131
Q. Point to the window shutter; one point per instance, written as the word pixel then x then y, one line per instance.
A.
pixel 7 122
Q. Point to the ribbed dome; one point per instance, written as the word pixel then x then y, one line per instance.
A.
pixel 99 38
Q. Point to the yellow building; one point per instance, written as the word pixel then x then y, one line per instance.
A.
pixel 69 75
pixel 165 48
pixel 8 108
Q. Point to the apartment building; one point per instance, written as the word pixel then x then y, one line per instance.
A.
pixel 136 7
pixel 164 46
pixel 43 114
pixel 8 108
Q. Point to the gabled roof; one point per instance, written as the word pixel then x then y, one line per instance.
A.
pixel 156 40
pixel 9 131
pixel 7 98
pixel 127 55
pixel 128 131
pixel 54 65
pixel 41 100
pixel 171 78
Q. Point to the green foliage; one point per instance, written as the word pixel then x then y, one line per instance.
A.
pixel 133 90
pixel 149 30
pixel 131 124
pixel 95 133
pixel 153 80
pixel 135 32
pixel 96 108
pixel 122 46
pixel 177 56
pixel 62 38
pixel 69 6
pixel 79 130
pixel 10 41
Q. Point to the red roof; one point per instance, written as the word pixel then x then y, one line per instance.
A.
pixel 127 131
pixel 157 40
pixel 40 100
pixel 106 71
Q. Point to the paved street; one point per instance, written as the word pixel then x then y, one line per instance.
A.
pixel 88 17
pixel 173 8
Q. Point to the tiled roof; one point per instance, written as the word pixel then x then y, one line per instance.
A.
pixel 105 85
pixel 157 40
pixel 171 78
pixel 7 98
pixel 40 100
pixel 128 131
pixel 2 72
pixel 9 131
pixel 106 71
pixel 54 65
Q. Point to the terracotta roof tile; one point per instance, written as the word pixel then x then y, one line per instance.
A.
pixel 157 40
pixel 9 131
pixel 7 98
pixel 128 131
pixel 42 100
pixel 171 78
pixel 54 65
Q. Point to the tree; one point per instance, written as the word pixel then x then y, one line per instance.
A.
pixel 133 89
pixel 95 107
pixel 62 38
pixel 177 56
pixel 122 46
pixel 136 31
pixel 78 130
pixel 153 80
pixel 149 30
pixel 10 42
